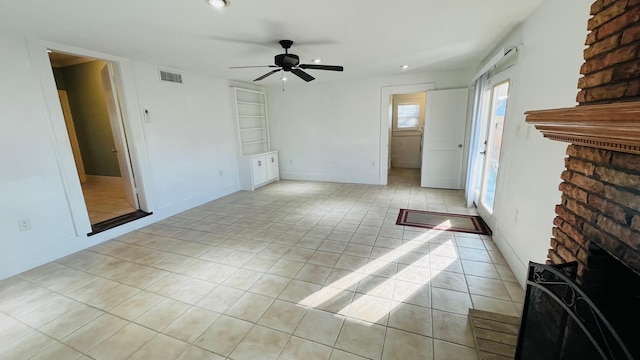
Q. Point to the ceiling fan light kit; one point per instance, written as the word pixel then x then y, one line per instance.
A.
pixel 291 63
pixel 219 4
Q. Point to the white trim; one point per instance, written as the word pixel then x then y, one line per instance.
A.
pixel 346 178
pixel 385 121
pixel 132 115
pixel 493 61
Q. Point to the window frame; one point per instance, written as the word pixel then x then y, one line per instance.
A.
pixel 418 99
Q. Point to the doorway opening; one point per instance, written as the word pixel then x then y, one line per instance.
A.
pixel 407 122
pixel 90 105
pixel 387 144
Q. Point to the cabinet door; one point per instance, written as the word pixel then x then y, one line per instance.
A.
pixel 272 166
pixel 259 170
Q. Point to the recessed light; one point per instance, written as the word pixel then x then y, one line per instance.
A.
pixel 404 67
pixel 284 78
pixel 219 4
pixel 317 61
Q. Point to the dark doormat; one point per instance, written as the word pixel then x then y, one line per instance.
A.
pixel 443 221
pixel 117 221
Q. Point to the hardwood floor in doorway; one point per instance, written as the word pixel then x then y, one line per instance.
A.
pixel 404 177
pixel 105 200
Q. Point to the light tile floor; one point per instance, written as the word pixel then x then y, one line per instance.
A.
pixel 295 270
pixel 105 200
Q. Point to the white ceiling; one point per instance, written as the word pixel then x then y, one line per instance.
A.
pixel 368 37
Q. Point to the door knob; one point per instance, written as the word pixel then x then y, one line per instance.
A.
pixel 460 146
pixel 114 151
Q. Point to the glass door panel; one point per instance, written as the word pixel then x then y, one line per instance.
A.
pixel 493 145
pixel 479 162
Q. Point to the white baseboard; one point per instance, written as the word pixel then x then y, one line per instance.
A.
pixel 371 179
pixel 518 267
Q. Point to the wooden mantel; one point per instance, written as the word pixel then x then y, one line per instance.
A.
pixel 607 126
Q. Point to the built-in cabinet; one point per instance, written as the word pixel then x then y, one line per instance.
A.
pixel 258 170
pixel 257 164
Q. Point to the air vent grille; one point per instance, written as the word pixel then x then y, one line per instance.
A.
pixel 169 76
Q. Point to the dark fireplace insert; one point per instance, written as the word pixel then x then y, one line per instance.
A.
pixel 596 319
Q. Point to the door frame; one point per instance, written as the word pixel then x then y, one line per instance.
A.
pixel 499 78
pixel 132 125
pixel 386 103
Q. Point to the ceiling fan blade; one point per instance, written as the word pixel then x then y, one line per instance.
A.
pixel 257 66
pixel 267 74
pixel 321 67
pixel 302 75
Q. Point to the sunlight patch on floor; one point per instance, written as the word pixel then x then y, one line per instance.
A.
pixel 366 305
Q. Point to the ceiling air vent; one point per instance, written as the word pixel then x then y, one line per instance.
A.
pixel 169 76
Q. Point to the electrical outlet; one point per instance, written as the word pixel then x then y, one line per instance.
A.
pixel 221 173
pixel 24 224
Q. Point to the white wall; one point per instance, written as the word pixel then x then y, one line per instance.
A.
pixel 191 136
pixel 546 76
pixel 331 131
pixel 189 140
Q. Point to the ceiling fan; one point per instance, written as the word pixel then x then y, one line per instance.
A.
pixel 291 62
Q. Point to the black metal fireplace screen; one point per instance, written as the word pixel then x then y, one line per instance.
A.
pixel 559 321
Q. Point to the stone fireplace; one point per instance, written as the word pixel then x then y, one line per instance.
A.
pixel 601 182
pixel 597 223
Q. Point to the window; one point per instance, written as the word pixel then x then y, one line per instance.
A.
pixel 408 117
pixel 408 113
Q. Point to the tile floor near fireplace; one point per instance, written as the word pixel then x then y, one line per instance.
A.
pixel 295 270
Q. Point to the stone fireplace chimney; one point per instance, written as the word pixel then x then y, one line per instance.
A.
pixel 601 183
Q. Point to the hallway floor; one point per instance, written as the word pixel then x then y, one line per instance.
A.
pixel 294 270
pixel 105 200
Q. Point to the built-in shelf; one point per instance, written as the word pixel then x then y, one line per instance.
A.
pixel 258 165
pixel 604 126
pixel 253 121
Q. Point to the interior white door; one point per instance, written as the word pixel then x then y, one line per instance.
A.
pixel 73 137
pixel 119 138
pixel 443 139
